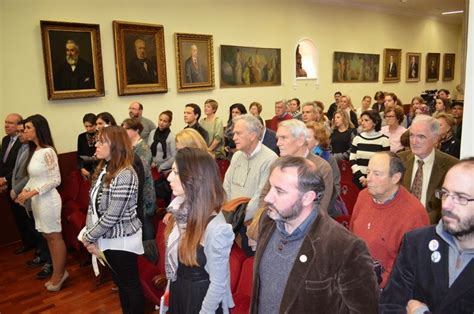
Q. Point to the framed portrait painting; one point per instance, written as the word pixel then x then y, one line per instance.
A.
pixel 448 66
pixel 250 66
pixel 194 62
pixel 413 66
pixel 392 65
pixel 432 67
pixel 72 60
pixel 353 67
pixel 140 58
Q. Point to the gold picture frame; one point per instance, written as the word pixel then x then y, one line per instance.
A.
pixel 72 60
pixel 448 66
pixel 432 67
pixel 194 62
pixel 392 65
pixel 413 61
pixel 140 58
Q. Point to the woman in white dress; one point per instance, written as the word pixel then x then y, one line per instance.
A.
pixel 43 170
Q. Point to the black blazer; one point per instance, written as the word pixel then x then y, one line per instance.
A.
pixel 417 276
pixel 269 140
pixel 6 168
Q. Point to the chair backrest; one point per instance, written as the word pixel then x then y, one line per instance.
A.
pixel 346 170
pixel 246 278
pixel 237 257
pixel 349 193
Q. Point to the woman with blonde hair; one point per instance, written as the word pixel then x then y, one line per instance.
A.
pixel 112 225
pixel 342 135
pixel 190 138
pixel 214 127
pixel 345 103
pixel 199 242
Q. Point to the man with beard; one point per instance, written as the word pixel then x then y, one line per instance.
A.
pixel 435 268
pixel 75 72
pixel 305 261
pixel 135 111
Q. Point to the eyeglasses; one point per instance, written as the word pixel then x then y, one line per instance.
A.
pixel 443 194
pixel 389 116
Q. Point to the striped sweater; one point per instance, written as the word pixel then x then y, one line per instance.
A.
pixel 363 147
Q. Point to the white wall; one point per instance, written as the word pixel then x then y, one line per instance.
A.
pixel 259 23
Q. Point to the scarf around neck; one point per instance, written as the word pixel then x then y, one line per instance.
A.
pixel 160 137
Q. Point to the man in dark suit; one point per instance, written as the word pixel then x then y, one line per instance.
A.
pixel 192 113
pixel 305 261
pixel 8 155
pixel 425 165
pixel 413 68
pixel 269 139
pixel 140 69
pixel 74 72
pixel 392 71
pixel 193 69
pixel 434 270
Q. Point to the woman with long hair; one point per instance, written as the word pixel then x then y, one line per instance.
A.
pixel 43 170
pixel 365 145
pixel 199 239
pixel 345 103
pixel 112 225
pixel 342 135
pixel 105 119
pixel 213 125
pixel 86 146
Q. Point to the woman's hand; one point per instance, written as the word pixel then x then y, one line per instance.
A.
pixel 25 195
pixel 85 173
pixel 92 248
pixel 166 218
pixel 363 181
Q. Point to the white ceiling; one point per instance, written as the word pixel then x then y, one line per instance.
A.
pixel 422 8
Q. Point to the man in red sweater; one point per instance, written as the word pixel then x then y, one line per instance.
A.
pixel 281 114
pixel 385 211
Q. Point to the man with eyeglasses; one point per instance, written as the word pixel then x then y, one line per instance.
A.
pixel 434 272
pixel 425 166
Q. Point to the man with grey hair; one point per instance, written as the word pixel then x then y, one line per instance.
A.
pixel 292 140
pixel 385 211
pixel 74 72
pixel 309 112
pixel 281 114
pixel 250 165
pixel 425 166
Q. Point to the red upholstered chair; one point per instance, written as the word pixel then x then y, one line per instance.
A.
pixel 237 257
pixel 346 170
pixel 147 270
pixel 75 199
pixel 349 193
pixel 223 164
pixel 243 294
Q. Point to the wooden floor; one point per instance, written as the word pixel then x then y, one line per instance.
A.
pixel 21 292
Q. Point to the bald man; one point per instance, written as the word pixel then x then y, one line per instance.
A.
pixel 141 69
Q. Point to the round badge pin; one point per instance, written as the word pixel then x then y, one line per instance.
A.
pixel 433 245
pixel 435 257
pixel 303 258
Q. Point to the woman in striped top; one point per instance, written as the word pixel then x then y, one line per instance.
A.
pixel 365 145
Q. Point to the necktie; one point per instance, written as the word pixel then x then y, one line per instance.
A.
pixel 417 185
pixel 145 66
pixel 10 145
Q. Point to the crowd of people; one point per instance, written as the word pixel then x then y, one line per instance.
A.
pixel 404 161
